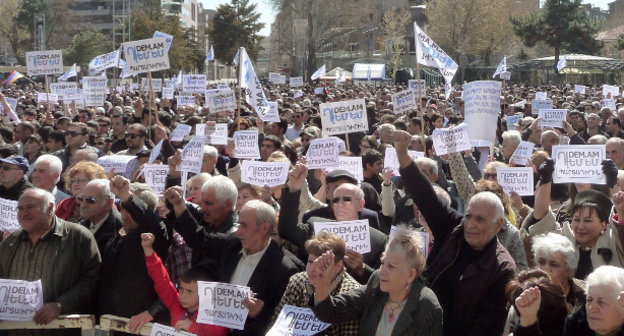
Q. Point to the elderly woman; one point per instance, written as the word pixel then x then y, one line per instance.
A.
pixel 76 178
pixel 395 301
pixel 193 187
pixel 300 289
pixel 603 313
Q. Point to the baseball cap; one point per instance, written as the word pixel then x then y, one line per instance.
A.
pixel 17 160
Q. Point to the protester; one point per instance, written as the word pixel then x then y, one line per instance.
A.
pixel 46 174
pixel 76 178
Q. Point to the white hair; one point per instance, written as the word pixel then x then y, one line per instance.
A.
pixel 610 276
pixel 210 151
pixel 386 128
pixel 264 213
pixel 597 139
pixel 411 243
pixel 90 153
pixel 491 200
pixel 514 137
pixel 145 193
pixel 443 196
pixel 550 244
pixel 55 164
pixel 103 185
pixel 616 140
pixel 202 177
pixel 223 188
pixel 428 163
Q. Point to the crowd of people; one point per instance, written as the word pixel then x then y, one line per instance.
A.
pixel 494 263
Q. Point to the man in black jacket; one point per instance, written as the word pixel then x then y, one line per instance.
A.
pixel 13 177
pixel 96 208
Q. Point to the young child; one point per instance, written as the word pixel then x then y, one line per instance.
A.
pixel 182 303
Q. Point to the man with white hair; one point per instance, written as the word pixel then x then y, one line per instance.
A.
pixel 511 141
pixel 467 267
pixel 63 255
pixel 46 173
pixel 97 210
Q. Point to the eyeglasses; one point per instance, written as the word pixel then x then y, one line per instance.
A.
pixel 488 176
pixel 9 167
pixel 345 199
pixel 89 200
pixel 73 133
pixel 133 135
pixel 78 180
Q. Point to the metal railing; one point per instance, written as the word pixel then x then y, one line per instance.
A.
pixel 76 321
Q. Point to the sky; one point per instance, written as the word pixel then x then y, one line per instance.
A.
pixel 268 14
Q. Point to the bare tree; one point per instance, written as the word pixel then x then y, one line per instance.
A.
pixel 393 30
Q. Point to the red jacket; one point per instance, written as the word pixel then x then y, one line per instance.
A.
pixel 65 208
pixel 169 296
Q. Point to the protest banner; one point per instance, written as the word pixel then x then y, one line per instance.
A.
pixel 246 145
pixel 47 62
pixel 579 164
pixel 155 152
pixel 156 176
pixel 221 304
pixel 344 117
pixel 157 84
pixel 146 55
pixel 215 135
pixel 220 101
pixel 19 299
pixel 319 90
pixel 296 81
pixel 180 132
pixel 352 164
pixel 194 83
pixel 518 179
pixel 43 97
pixel 264 173
pixel 430 54
pixel 94 90
pixel 537 105
pixel 580 89
pixel 167 93
pixel 8 216
pixel 269 112
pixel 418 86
pixel 103 62
pixel 168 38
pixel 193 155
pixel 297 321
pixel 482 107
pixel 274 77
pixel 392 162
pixel 610 103
pixel 552 117
pixel 76 97
pixel 451 140
pixel 322 153
pixel 11 114
pixel 541 95
pixel 404 101
pixel 185 101
pixel 356 234
pixel 505 75
pixel 522 153
pixel 61 88
pixel 120 164
pixel 163 330
pixel 614 91
pixel 512 120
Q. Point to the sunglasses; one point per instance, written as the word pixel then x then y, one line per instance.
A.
pixel 72 133
pixel 345 199
pixel 89 200
pixel 133 135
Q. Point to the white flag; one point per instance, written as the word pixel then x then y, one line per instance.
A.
pixel 341 78
pixel 210 54
pixel 235 61
pixel 254 95
pixel 563 62
pixel 68 74
pixel 430 54
pixel 502 67
pixel 102 62
pixel 318 73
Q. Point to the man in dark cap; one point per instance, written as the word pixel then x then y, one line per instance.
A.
pixel 13 177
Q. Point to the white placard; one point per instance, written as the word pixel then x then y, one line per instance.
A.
pixel 157 84
pixel 392 161
pixel 579 164
pixel 505 75
pixel 404 101
pixel 580 89
pixel 297 321
pixel 522 154
pixel 541 95
pixel 219 101
pixel 222 304
pixel 215 135
pixel 512 120
pixel 185 101
pixel 417 85
pixel 610 103
pixel 537 105
pixel 163 330
pixel 94 90
pixel 352 164
pixel 156 177
pixel 518 179
pixel 451 140
pixel 20 299
pixel 76 97
pixel 155 152
pixel 322 153
pixel 269 112
pixel 194 83
pixel 8 216
pixel 11 114
pixel 296 81
pixel 319 90
pixel 47 62
pixel 274 77
pixel 264 173
pixel 43 97
pixel 180 132
pixel 246 145
pixel 168 38
pixel 552 117
pixel 356 234
pixel 167 92
pixel 61 87
pixel 610 89
pixel 344 117
pixel 482 108
pixel 146 55
pixel 120 164
pixel 193 155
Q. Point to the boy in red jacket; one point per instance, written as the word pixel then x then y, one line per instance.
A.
pixel 182 303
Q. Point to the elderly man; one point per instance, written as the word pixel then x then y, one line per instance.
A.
pixel 511 141
pixel 63 255
pixel 46 174
pixel 136 135
pixel 13 177
pixel 97 210
pixel 615 151
pixel 249 257
pixel 467 267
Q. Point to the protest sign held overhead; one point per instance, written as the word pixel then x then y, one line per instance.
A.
pixel 537 105
pixel 146 55
pixel 522 153
pixel 246 145
pixel 220 101
pixel 451 140
pixel 180 132
pixel 610 103
pixel 194 83
pixel 61 87
pixel 222 304
pixel 404 101
pixel 215 135
pixel 322 153
pixel 391 161
pixel 356 234
pixel 43 97
pixel 352 164
pixel 296 81
pixel 610 91
pixel 418 86
pixel 264 173
pixel 512 120
pixel 193 155
pixel 579 164
pixel 344 117
pixel 517 179
pixel 47 62
pixel 167 92
pixel 541 95
pixel 119 164
pixel 156 177
pixel 552 117
pixel 20 300
pixel 580 89
pixel 185 100
pixel 157 84
pixel 482 107
pixel 269 112
pixel 8 216
pixel 168 38
pixel 297 321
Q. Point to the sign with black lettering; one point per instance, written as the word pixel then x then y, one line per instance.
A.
pixel 552 117
pixel 518 179
pixel 451 140
pixel 264 173
pixel 156 177
pixel 246 145
pixel 19 300
pixel 344 117
pixel 193 155
pixel 297 321
pixel 579 164
pixel 322 153
pixel 356 234
pixel 222 304
pixel 8 216
pixel 522 153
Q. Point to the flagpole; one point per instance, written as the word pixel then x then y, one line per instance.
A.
pixel 240 92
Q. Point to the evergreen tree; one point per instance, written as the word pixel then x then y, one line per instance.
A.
pixel 85 46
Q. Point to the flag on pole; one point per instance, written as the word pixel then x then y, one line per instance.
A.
pixel 341 78
pixel 254 95
pixel 210 54
pixel 502 67
pixel 430 54
pixel 13 76
pixel 69 73
pixel 235 61
pixel 178 80
pixel 563 62
pixel 318 73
